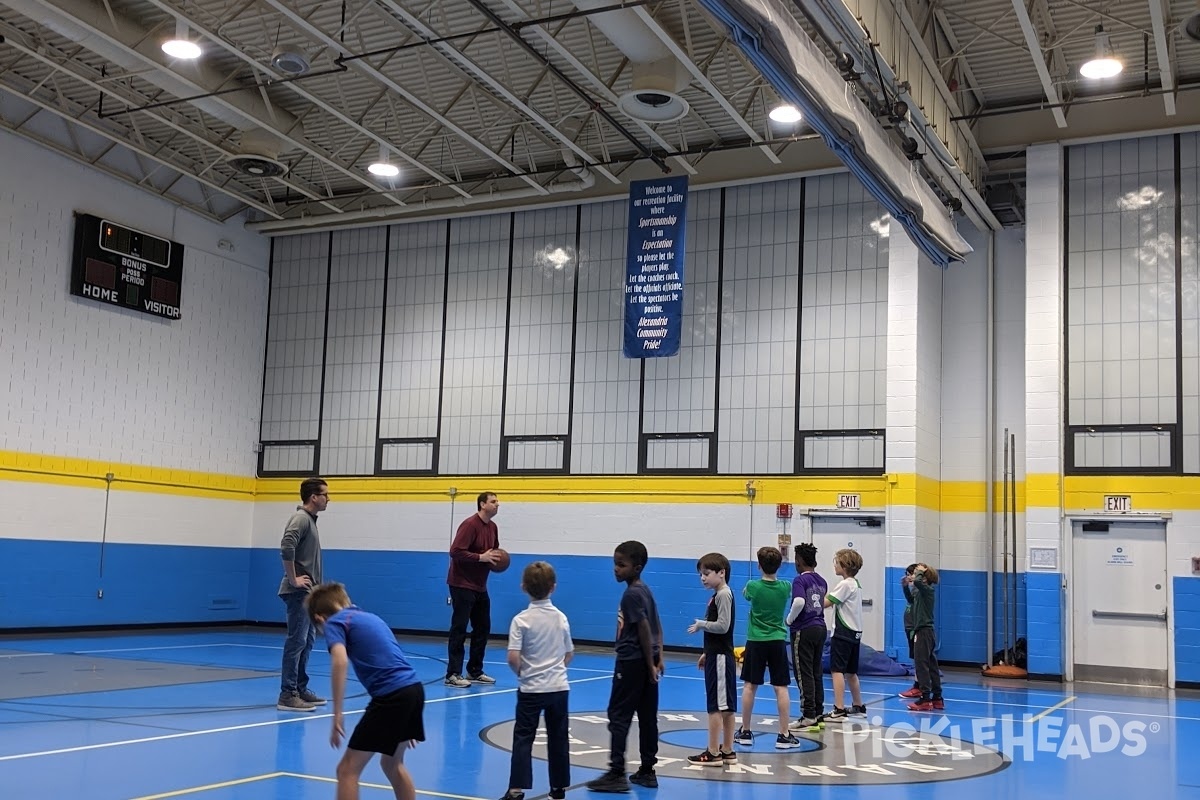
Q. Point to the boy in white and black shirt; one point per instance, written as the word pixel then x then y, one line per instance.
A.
pixel 846 600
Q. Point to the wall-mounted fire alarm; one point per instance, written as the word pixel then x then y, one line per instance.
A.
pixel 783 511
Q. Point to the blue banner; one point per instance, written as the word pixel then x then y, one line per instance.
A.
pixel 654 267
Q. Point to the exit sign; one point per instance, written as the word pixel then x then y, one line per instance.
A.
pixel 850 501
pixel 1118 502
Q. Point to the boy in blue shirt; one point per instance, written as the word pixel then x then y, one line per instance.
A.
pixel 393 721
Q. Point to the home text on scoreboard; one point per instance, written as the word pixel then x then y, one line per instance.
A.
pixel 120 266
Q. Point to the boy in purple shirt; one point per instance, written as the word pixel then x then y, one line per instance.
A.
pixel 806 619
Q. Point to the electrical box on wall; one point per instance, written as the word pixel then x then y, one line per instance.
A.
pixel 1195 563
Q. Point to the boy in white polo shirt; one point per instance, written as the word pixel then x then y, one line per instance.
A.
pixel 539 649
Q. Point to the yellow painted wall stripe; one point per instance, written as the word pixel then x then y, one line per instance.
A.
pixel 1159 493
pixel 65 471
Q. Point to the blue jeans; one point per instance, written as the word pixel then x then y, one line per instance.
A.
pixel 300 637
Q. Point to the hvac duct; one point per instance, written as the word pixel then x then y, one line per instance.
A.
pixel 88 24
pixel 658 77
pixel 771 38
pixel 385 214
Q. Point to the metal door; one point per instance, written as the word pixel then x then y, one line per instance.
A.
pixel 1119 601
pixel 864 534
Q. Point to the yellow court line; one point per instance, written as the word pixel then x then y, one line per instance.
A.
pixel 1055 707
pixel 221 785
pixel 325 779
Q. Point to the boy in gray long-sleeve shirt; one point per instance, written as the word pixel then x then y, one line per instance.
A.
pixel 300 551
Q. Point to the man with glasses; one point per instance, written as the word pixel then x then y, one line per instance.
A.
pixel 300 550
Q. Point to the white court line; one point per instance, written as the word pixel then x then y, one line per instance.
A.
pixel 247 726
pixel 1055 707
pixel 27 655
pixel 326 779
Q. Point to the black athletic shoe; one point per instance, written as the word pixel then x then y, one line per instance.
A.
pixel 645 777
pixel 611 782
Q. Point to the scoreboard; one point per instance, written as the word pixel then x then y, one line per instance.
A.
pixel 120 266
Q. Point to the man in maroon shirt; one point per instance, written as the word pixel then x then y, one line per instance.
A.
pixel 470 564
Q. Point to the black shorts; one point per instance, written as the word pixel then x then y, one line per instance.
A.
pixel 720 682
pixel 390 720
pixel 843 655
pixel 759 657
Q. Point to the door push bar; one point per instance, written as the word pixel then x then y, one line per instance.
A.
pixel 868 601
pixel 1159 617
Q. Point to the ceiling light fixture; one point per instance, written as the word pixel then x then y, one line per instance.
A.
pixel 383 167
pixel 1104 64
pixel 785 113
pixel 181 46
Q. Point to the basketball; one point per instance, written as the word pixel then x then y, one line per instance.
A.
pixel 502 560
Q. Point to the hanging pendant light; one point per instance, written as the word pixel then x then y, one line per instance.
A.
pixel 181 46
pixel 1104 64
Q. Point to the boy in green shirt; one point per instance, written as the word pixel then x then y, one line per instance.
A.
pixel 766 647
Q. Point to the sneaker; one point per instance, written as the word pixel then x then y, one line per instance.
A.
pixel 858 711
pixel 911 694
pixel 644 777
pixel 292 702
pixel 611 782
pixel 837 715
pixel 728 758
pixel 786 742
pixel 707 759
pixel 312 697
pixel 797 725
pixel 486 680
pixel 555 794
pixel 939 704
pixel 513 795
pixel 457 681
pixel 807 724
pixel 922 705
pixel 744 738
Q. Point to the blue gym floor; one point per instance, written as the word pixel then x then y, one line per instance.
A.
pixel 196 719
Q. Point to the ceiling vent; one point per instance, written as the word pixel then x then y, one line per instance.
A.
pixel 258 156
pixel 292 63
pixel 653 96
pixel 1190 27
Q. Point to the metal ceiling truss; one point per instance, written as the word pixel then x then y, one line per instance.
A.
pixel 602 88
pixel 80 118
pixel 298 21
pixel 73 69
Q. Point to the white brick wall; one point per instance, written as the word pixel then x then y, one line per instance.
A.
pixel 83 380
pixel 1042 448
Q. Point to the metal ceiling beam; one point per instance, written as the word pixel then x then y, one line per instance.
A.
pixel 70 70
pixel 112 137
pixel 699 76
pixel 308 96
pixel 1039 62
pixel 965 63
pixel 602 88
pixel 1162 53
pixel 458 58
pixel 104 27
pixel 378 76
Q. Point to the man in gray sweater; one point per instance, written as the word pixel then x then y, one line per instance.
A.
pixel 300 550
